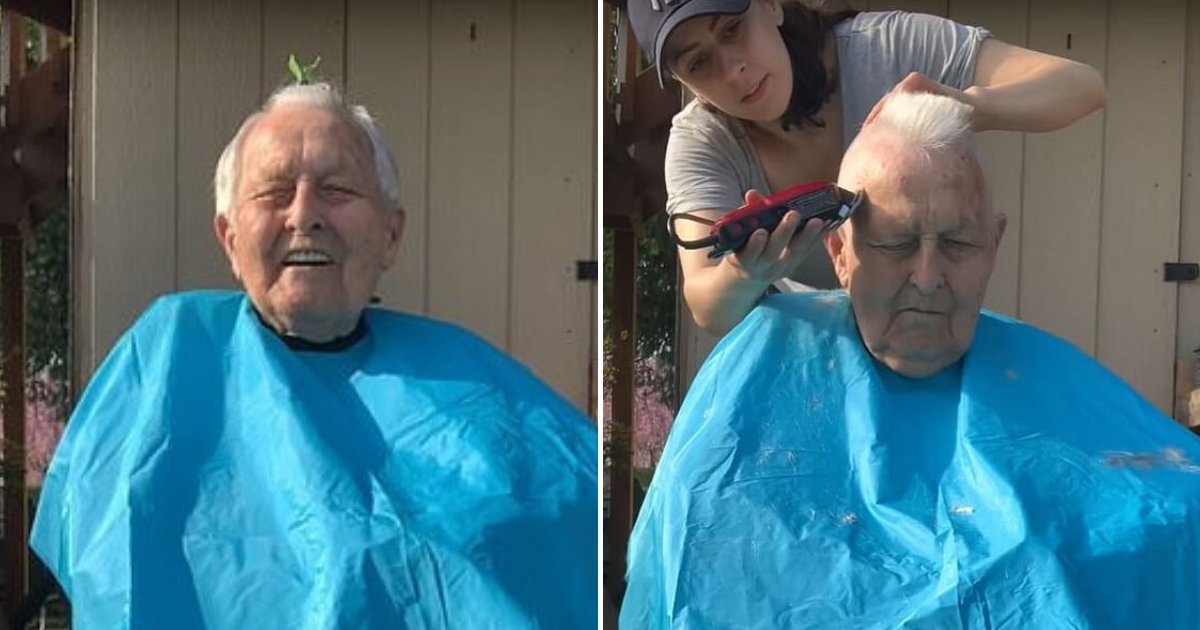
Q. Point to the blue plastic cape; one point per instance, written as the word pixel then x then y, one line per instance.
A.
pixel 804 485
pixel 212 477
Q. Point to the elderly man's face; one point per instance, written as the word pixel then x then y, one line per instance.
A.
pixel 916 260
pixel 309 233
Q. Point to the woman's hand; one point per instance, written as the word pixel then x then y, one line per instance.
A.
pixel 768 257
pixel 720 292
pixel 916 82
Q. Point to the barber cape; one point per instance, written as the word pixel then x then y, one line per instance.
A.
pixel 214 478
pixel 805 485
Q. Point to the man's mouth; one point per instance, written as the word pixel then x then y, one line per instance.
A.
pixel 307 258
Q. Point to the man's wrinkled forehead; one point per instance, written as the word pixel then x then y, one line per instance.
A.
pixel 286 140
pixel 939 191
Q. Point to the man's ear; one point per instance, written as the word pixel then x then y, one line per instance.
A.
pixel 1001 223
pixel 228 240
pixel 395 228
pixel 835 244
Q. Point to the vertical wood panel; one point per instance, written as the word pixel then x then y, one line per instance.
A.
pixel 305 29
pixel 83 314
pixel 219 45
pixel 554 133
pixel 387 70
pixel 133 149
pixel 1060 221
pixel 1188 328
pixel 1140 220
pixel 1002 152
pixel 470 174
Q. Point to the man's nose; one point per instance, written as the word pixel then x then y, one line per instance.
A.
pixel 929 268
pixel 307 212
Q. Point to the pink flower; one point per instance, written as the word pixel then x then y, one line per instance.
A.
pixel 45 419
pixel 652 416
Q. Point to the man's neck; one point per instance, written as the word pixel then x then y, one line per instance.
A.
pixel 316 343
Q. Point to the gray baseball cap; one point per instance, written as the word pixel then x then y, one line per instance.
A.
pixel 653 21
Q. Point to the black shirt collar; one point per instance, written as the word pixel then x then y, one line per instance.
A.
pixel 337 344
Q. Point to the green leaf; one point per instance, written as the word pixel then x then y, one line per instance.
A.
pixel 311 68
pixel 302 74
pixel 295 69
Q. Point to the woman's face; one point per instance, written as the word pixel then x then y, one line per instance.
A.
pixel 737 63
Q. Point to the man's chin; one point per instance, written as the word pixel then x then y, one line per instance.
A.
pixel 919 364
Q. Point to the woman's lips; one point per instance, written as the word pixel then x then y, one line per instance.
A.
pixel 756 93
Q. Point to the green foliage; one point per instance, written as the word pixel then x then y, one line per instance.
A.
pixel 606 294
pixel 301 74
pixel 47 288
pixel 47 299
pixel 657 282
pixel 656 291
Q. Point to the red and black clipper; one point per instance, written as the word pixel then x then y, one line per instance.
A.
pixel 814 200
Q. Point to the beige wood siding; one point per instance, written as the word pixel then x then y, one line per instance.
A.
pixel 1187 336
pixel 490 109
pixel 1143 155
pixel 1096 209
pixel 1002 154
pixel 1059 238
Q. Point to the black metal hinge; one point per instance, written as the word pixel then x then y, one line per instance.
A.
pixel 586 270
pixel 1180 272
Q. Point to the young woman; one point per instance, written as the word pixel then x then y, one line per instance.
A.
pixel 782 89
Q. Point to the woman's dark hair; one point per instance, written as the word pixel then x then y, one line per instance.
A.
pixel 804 31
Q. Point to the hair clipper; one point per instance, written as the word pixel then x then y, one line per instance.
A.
pixel 813 200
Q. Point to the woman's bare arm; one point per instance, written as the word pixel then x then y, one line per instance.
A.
pixel 721 292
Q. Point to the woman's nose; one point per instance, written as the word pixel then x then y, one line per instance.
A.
pixel 732 63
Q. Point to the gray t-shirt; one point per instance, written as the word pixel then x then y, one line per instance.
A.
pixel 710 163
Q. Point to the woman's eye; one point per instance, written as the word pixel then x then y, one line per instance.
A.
pixel 697 64
pixel 732 29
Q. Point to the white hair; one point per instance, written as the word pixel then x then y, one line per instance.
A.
pixel 321 95
pixel 927 122
pixel 921 125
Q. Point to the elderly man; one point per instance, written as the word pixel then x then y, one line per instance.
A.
pixel 888 456
pixel 291 458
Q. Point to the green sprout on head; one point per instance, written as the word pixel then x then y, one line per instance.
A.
pixel 303 75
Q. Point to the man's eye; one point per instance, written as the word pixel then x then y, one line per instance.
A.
pixel 274 195
pixel 958 247
pixel 896 249
pixel 336 191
